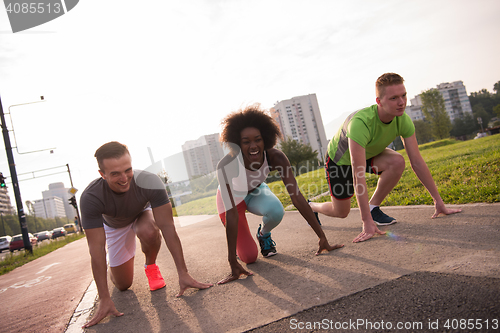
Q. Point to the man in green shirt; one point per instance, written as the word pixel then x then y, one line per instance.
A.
pixel 360 146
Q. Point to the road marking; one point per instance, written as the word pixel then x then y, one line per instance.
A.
pixel 47 267
pixel 27 284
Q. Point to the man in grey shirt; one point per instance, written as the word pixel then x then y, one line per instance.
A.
pixel 116 208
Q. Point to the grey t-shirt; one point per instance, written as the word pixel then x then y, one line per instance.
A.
pixel 99 204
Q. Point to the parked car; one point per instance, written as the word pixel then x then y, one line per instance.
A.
pixel 481 135
pixel 17 242
pixel 5 243
pixel 43 235
pixel 70 228
pixel 58 232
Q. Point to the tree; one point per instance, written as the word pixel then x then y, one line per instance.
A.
pixel 496 88
pixel 435 113
pixel 497 110
pixel 486 99
pixel 464 126
pixel 299 154
pixel 479 112
pixel 483 93
pixel 422 131
pixel 470 125
pixel 12 227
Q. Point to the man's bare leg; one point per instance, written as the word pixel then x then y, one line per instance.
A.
pixel 392 165
pixel 149 234
pixel 335 208
pixel 123 275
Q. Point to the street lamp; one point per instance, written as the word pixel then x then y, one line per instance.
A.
pixel 42 99
pixel 480 122
pixel 15 181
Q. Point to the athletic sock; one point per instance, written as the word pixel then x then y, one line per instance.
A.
pixel 372 206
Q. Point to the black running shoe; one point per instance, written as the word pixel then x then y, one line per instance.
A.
pixel 315 213
pixel 267 245
pixel 380 218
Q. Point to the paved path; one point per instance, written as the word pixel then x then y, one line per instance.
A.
pixel 42 295
pixel 423 270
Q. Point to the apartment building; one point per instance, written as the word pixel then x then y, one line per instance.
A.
pixel 49 208
pixel 58 190
pixel 202 155
pixel 300 118
pixel 5 205
pixel 456 101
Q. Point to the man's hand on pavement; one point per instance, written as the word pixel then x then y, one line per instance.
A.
pixel 106 308
pixel 369 230
pixel 441 209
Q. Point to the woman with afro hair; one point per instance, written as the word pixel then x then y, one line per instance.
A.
pixel 251 135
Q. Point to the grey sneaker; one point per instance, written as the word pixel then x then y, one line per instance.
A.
pixel 380 218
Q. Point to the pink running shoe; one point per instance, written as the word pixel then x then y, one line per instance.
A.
pixel 154 277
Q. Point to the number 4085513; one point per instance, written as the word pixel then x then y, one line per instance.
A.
pixel 471 324
pixel 33 8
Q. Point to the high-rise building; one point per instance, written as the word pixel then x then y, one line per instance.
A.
pixel 58 190
pixel 300 119
pixel 5 205
pixel 202 155
pixel 49 208
pixel 456 101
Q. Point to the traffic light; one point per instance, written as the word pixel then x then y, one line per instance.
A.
pixel 2 181
pixel 72 201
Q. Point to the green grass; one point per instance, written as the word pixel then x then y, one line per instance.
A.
pixel 464 172
pixel 204 206
pixel 18 259
pixel 311 184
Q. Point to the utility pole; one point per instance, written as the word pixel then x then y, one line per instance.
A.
pixel 15 182
pixel 75 205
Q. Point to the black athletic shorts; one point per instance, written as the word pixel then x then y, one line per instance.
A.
pixel 339 177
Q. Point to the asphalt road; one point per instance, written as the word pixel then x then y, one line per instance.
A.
pixel 417 302
pixel 42 295
pixel 428 275
pixel 423 271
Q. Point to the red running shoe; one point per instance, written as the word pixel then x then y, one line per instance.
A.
pixel 154 277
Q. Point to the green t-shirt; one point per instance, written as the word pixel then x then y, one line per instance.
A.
pixel 366 128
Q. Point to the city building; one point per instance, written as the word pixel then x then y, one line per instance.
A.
pixel 58 190
pixel 456 101
pixel 300 119
pixel 49 208
pixel 5 205
pixel 202 155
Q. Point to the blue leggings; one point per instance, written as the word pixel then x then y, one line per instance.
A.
pixel 260 202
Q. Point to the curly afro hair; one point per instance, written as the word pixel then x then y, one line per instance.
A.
pixel 251 116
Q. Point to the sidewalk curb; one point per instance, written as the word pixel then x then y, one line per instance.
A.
pixel 83 310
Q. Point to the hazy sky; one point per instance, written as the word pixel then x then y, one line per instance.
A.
pixel 159 73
